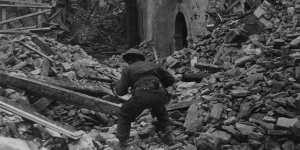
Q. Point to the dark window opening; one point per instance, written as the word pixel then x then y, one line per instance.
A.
pixel 180 32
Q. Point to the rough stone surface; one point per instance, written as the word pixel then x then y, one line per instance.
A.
pixel 194 118
pixel 158 21
pixel 286 122
pixel 13 144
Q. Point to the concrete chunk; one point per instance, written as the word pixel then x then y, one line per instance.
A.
pixel 194 118
pixel 13 144
pixel 216 111
pixel 286 122
pixel 242 61
pixel 245 129
pixel 239 93
pixel 223 136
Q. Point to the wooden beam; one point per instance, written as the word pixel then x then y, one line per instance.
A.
pixel 44 47
pixel 55 14
pixel 89 89
pixel 4 17
pixel 180 105
pixel 36 30
pixel 233 5
pixel 36 51
pixel 13 32
pixel 22 2
pixel 39 17
pixel 26 6
pixel 29 113
pixel 60 94
pixel 23 28
pixel 25 16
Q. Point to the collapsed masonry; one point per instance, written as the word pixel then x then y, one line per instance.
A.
pixel 172 25
pixel 97 25
pixel 241 85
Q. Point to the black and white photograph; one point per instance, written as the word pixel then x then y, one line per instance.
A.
pixel 149 74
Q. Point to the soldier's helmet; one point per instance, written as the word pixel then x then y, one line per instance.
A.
pixel 133 54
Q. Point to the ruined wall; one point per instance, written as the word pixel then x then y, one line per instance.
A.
pixel 157 21
pixel 13 12
pixel 98 26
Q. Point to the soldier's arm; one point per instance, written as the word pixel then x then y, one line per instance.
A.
pixel 123 84
pixel 166 78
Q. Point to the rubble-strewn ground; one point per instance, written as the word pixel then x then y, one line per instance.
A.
pixel 242 79
pixel 65 62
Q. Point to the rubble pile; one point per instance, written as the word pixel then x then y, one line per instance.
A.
pixel 99 26
pixel 242 81
pixel 237 87
pixel 21 54
pixel 250 98
pixel 47 60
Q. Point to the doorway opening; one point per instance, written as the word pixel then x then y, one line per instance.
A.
pixel 180 32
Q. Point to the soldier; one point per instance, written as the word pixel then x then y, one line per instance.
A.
pixel 147 82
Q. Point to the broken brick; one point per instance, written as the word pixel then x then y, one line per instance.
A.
pixel 242 61
pixel 216 111
pixel 245 129
pixel 286 122
pixel 239 93
pixel 194 118
pixel 223 136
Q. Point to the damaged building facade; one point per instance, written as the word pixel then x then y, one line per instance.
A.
pixel 237 86
pixel 169 24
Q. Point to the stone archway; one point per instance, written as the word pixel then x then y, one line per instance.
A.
pixel 181 32
pixel 158 23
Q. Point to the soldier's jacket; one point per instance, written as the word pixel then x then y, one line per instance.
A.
pixel 143 74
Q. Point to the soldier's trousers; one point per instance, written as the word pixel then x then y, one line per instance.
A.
pixel 155 100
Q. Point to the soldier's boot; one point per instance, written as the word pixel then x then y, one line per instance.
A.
pixel 148 131
pixel 164 133
pixel 122 145
pixel 166 137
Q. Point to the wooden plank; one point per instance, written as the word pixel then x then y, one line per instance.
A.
pixel 39 20
pixel 3 17
pixel 42 104
pixel 44 47
pixel 25 16
pixel 55 14
pixel 98 79
pixel 22 2
pixel 180 105
pixel 23 28
pixel 92 90
pixel 29 113
pixel 13 32
pixel 26 6
pixel 39 30
pixel 57 93
pixel 35 50
pixel 233 5
pixel 209 67
pixel 155 55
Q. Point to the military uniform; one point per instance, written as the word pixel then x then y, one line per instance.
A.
pixel 147 82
